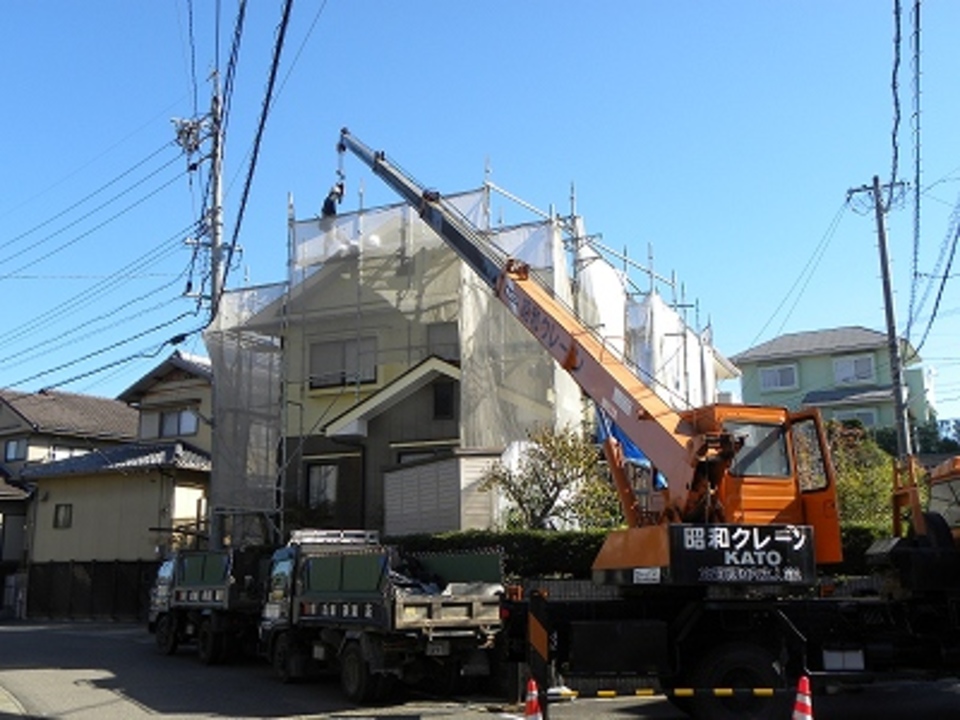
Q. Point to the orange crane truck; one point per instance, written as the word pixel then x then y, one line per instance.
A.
pixel 713 593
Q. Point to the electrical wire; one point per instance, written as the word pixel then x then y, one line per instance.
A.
pixel 947 248
pixel 64 246
pixel 83 167
pixel 175 340
pixel 895 91
pixel 232 65
pixel 193 55
pixel 70 337
pixel 90 196
pixel 265 111
pixel 943 284
pixel 915 122
pixel 86 216
pixel 80 300
pixel 101 351
pixel 805 274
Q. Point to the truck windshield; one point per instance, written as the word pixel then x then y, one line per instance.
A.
pixel 280 575
pixel 945 500
pixel 764 450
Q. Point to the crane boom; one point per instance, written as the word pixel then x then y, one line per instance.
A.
pixel 661 433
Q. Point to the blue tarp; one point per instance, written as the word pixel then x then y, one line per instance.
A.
pixel 631 453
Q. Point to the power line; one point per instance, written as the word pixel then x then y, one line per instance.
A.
pixel 101 351
pixel 175 340
pixel 232 62
pixel 916 163
pixel 895 91
pixel 77 302
pixel 90 196
pixel 100 226
pixel 805 274
pixel 70 337
pixel 943 284
pixel 265 111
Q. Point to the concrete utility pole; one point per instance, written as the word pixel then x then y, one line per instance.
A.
pixel 216 211
pixel 191 135
pixel 904 447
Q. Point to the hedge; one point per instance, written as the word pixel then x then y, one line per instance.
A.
pixel 570 554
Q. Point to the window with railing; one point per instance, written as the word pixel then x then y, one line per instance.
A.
pixel 336 363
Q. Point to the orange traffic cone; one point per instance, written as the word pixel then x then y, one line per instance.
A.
pixel 531 710
pixel 803 706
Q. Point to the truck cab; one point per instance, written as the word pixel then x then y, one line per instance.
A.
pixel 945 495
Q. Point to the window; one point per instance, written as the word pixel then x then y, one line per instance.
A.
pixel 15 450
pixel 343 362
pixel 63 516
pixel 779 377
pixel 179 422
pixel 322 487
pixel 945 499
pixel 443 400
pixel 866 416
pixel 811 463
pixel 169 423
pixel 764 450
pixel 853 370
pixel 58 452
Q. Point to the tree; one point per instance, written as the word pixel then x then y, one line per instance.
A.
pixel 864 475
pixel 932 437
pixel 560 481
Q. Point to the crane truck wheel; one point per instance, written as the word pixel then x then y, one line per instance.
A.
pixel 742 666
pixel 166 635
pixel 209 644
pixel 356 680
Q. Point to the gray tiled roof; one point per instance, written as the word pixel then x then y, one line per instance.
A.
pixel 815 342
pixel 121 458
pixel 861 394
pixel 63 413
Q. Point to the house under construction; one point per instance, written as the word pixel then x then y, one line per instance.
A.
pixel 375 387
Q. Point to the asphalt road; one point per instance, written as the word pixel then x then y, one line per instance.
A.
pixel 87 671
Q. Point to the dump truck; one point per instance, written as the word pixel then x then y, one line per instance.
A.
pixel 211 599
pixel 720 591
pixel 341 601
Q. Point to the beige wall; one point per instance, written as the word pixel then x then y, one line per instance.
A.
pixel 183 392
pixel 395 307
pixel 110 517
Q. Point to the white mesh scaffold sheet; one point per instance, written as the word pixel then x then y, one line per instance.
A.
pixel 246 405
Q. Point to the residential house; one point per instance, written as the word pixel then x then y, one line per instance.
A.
pixel 127 501
pixel 38 428
pixel 375 343
pixel 13 522
pixel 845 372
pixel 402 378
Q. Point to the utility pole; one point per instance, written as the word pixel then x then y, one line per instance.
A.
pixel 216 211
pixel 904 445
pixel 191 135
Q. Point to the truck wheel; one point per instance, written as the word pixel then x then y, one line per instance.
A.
pixel 282 654
pixel 356 680
pixel 166 637
pixel 209 644
pixel 739 665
